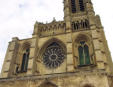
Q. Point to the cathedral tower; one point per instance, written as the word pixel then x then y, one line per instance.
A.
pixel 68 53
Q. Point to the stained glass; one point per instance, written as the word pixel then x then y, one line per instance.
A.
pixel 86 52
pixel 81 55
pixel 53 56
pixel 84 57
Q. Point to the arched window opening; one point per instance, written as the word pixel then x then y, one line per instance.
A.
pixel 25 59
pixel 86 23
pixel 82 24
pixel 81 4
pixel 77 25
pixel 84 56
pixel 73 6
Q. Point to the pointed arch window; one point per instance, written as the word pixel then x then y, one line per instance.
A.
pixel 81 4
pixel 73 6
pixel 83 51
pixel 25 59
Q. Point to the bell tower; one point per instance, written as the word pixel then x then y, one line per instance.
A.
pixel 77 7
pixel 75 10
pixel 80 17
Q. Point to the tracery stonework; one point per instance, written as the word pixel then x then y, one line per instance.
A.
pixel 53 56
pixel 68 53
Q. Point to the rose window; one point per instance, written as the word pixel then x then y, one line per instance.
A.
pixel 53 56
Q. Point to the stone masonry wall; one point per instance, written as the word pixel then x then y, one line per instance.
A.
pixel 60 80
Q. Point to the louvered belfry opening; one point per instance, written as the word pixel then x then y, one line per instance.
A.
pixel 77 6
pixel 81 5
pixel 73 6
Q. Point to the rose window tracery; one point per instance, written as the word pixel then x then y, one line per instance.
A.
pixel 53 56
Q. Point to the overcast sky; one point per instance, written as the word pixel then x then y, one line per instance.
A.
pixel 17 18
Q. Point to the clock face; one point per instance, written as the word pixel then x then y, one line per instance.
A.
pixel 53 56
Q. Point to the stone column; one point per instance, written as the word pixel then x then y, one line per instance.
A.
pixel 32 68
pixel 70 63
pixel 67 18
pixel 32 57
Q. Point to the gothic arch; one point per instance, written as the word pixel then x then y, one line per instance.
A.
pixel 83 36
pixel 48 84
pixel 83 48
pixel 48 42
pixel 23 57
pixel 25 45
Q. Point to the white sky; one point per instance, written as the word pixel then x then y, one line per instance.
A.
pixel 17 18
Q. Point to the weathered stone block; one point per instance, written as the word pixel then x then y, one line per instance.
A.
pixel 100 65
pixel 70 68
pixel 95 34
pixel 32 52
pixel 69 59
pixel 96 44
pixel 69 48
pixel 9 55
pixel 30 64
pixel 12 46
pixel 98 55
pixel 6 66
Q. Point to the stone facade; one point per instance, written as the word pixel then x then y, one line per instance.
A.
pixel 82 79
pixel 80 26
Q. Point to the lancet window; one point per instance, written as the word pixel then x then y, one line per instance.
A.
pixel 83 24
pixel 25 59
pixel 84 57
pixel 73 6
pixel 22 67
pixel 81 5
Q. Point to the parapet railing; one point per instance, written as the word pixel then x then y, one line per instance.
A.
pixel 52 27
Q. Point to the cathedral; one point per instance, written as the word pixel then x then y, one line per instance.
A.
pixel 68 53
